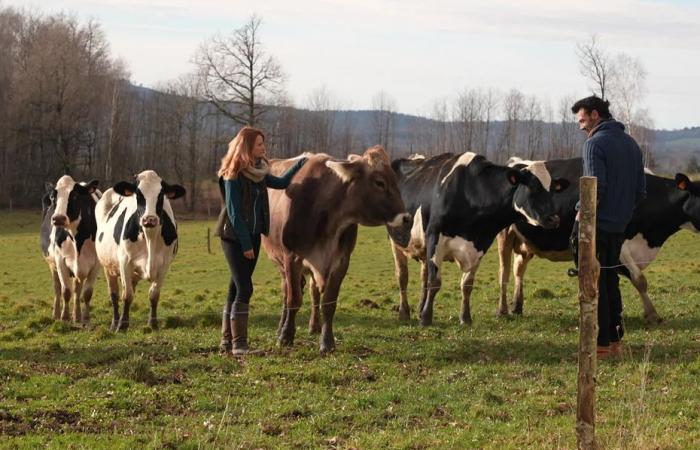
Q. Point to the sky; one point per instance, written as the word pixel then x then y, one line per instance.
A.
pixel 415 50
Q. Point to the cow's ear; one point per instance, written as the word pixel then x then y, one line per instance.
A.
pixel 125 189
pixel 80 189
pixel 173 191
pixel 92 186
pixel 346 171
pixel 514 176
pixel 560 184
pixel 353 157
pixel 683 182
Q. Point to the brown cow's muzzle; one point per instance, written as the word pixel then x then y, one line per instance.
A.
pixel 149 221
pixel 59 220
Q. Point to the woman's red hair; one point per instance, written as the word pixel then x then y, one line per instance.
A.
pixel 240 153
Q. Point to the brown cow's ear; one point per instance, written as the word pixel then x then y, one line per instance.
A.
pixel 376 157
pixel 346 171
pixel 353 157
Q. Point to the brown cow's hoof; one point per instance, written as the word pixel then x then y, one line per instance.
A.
pixel 517 311
pixel 153 323
pixel 404 315
pixel 465 321
pixel 123 326
pixel 652 319
pixel 315 328
pixel 503 313
pixel 327 348
pixel 285 341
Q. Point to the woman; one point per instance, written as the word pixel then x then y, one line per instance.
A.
pixel 244 177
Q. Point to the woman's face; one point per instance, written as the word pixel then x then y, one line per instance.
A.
pixel 259 147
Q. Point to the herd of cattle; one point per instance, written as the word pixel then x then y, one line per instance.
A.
pixel 444 208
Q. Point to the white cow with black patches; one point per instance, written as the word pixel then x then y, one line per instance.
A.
pixel 68 244
pixel 459 203
pixel 137 239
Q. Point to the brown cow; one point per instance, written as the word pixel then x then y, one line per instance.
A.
pixel 313 228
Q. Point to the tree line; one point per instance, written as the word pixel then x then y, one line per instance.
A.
pixel 67 106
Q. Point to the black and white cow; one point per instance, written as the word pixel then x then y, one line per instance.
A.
pixel 67 240
pixel 458 204
pixel 670 205
pixel 136 239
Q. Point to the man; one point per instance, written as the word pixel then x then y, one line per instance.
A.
pixel 612 156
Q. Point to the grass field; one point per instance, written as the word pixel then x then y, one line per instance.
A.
pixel 502 383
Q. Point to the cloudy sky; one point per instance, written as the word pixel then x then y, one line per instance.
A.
pixel 417 51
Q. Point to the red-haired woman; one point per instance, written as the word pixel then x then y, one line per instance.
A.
pixel 244 177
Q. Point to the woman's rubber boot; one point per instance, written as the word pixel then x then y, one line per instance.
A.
pixel 239 327
pixel 225 345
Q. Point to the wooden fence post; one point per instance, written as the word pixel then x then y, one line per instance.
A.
pixel 589 271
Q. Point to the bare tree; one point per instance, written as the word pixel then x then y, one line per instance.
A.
pixel 383 112
pixel 239 75
pixel 513 105
pixel 595 65
pixel 321 120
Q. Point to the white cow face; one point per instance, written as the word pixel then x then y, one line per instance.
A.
pixel 150 192
pixel 67 199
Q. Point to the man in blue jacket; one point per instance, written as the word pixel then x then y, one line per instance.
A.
pixel 614 158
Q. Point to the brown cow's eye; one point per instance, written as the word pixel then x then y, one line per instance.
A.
pixel 380 184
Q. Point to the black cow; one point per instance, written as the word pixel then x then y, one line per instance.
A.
pixel 458 204
pixel 67 239
pixel 669 206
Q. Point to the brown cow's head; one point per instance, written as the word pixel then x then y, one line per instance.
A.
pixel 372 195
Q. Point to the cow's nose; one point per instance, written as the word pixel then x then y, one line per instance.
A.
pixel 552 221
pixel 149 221
pixel 59 220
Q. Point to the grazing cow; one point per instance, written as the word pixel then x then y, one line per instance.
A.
pixel 68 244
pixel 313 228
pixel 136 239
pixel 459 203
pixel 669 206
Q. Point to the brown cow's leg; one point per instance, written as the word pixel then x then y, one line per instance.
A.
pixel 56 294
pixel 505 241
pixel 293 274
pixel 519 267
pixel 314 322
pixel 283 314
pixel 401 266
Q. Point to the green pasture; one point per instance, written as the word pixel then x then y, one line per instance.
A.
pixel 501 383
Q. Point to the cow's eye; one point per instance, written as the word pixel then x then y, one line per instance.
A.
pixel 379 184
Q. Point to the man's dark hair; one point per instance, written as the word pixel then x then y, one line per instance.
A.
pixel 593 103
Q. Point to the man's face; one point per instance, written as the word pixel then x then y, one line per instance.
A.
pixel 587 121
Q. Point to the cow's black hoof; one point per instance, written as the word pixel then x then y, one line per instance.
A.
pixel 123 326
pixel 466 321
pixel 426 320
pixel 153 323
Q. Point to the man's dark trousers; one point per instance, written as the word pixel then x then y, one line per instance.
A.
pixel 608 246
